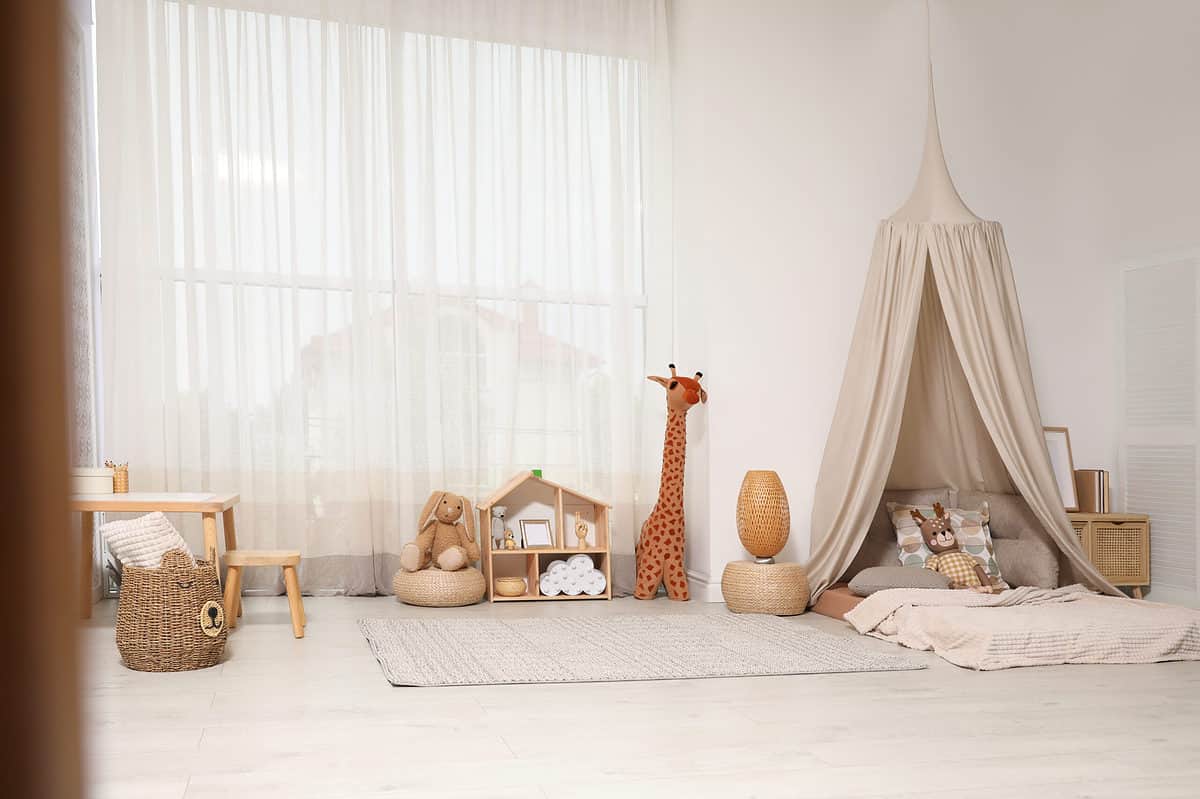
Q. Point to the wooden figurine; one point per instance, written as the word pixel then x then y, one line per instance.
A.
pixel 510 541
pixel 581 530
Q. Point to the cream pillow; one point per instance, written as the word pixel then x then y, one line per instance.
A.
pixel 970 529
pixel 142 541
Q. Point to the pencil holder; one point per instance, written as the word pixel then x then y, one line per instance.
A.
pixel 120 473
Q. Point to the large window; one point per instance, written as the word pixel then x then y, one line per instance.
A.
pixel 373 255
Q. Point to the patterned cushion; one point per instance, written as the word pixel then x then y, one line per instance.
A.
pixel 911 547
pixel 970 528
pixel 142 541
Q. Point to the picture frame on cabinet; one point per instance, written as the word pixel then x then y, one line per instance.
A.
pixel 1058 444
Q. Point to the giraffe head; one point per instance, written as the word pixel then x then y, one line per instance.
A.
pixel 682 392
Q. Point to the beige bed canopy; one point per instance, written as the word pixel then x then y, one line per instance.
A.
pixel 938 389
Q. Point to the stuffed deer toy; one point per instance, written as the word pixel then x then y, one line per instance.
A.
pixel 948 557
pixel 443 540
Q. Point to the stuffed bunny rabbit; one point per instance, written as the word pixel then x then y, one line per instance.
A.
pixel 443 540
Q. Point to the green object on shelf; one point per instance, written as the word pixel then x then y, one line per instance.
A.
pixel 536 472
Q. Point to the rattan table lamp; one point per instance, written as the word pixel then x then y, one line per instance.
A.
pixel 764 519
pixel 763 523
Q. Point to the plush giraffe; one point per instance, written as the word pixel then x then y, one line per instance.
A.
pixel 660 546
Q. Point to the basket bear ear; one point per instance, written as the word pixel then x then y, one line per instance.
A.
pixel 177 559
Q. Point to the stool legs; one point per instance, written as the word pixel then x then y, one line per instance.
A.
pixel 233 586
pixel 233 595
pixel 294 603
pixel 230 540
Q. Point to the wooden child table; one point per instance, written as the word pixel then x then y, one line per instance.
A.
pixel 206 504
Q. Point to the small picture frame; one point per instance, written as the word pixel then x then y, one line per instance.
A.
pixel 536 534
pixel 1058 444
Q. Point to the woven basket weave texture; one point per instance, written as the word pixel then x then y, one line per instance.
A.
pixel 164 619
pixel 764 519
pixel 778 589
pixel 434 588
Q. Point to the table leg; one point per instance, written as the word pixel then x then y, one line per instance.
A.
pixel 230 531
pixel 210 539
pixel 230 540
pixel 295 603
pixel 87 530
pixel 1137 592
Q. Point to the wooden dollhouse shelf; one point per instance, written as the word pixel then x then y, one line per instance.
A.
pixel 528 496
pixel 550 551
pixel 539 597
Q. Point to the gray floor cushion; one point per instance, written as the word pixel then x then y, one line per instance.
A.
pixel 877 578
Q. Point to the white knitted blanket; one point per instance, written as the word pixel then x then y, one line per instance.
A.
pixel 1029 626
pixel 142 541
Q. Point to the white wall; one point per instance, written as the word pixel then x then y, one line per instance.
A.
pixel 798 125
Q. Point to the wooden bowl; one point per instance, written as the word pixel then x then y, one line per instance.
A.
pixel 510 586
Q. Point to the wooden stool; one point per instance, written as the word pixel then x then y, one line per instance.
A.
pixel 287 559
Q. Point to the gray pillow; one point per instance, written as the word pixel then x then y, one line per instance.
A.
pixel 1027 561
pixel 877 578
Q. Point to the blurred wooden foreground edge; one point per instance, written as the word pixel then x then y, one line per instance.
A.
pixel 39 690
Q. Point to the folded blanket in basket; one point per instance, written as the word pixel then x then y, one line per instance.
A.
pixel 142 541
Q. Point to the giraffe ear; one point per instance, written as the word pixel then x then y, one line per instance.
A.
pixel 703 396
pixel 662 381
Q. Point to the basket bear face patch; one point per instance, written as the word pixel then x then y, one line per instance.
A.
pixel 212 619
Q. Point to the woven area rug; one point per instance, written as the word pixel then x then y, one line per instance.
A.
pixel 429 652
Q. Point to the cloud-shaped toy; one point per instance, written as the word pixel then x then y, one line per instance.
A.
pixel 574 576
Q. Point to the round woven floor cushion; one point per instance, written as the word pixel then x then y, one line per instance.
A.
pixel 434 588
pixel 780 589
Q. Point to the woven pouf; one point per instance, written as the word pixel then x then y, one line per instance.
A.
pixel 780 589
pixel 434 588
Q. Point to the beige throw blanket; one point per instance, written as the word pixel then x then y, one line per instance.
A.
pixel 1029 626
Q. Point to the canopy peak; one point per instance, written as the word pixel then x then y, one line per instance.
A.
pixel 934 197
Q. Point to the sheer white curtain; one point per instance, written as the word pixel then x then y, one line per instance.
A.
pixel 357 251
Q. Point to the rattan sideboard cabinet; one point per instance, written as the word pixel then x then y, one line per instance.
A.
pixel 1119 545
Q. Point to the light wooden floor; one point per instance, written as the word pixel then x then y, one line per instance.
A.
pixel 315 718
